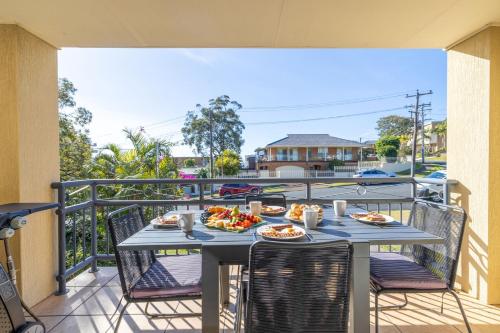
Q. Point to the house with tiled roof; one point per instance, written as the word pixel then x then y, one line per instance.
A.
pixel 307 152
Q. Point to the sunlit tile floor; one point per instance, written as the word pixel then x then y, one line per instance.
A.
pixel 91 302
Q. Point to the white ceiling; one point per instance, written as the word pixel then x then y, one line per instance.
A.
pixel 251 23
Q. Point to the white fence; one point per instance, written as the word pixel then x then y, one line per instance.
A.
pixel 338 171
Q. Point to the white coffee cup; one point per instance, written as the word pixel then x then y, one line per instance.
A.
pixel 310 218
pixel 339 207
pixel 186 221
pixel 255 207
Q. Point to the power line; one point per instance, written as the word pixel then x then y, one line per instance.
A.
pixel 324 118
pixel 321 105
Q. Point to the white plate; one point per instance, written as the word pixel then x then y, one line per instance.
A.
pixel 267 227
pixel 276 210
pixel 388 219
pixel 156 224
pixel 287 216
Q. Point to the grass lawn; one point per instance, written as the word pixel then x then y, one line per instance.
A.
pixel 441 158
pixel 422 171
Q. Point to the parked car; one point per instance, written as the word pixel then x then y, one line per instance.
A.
pixel 433 192
pixel 238 189
pixel 373 173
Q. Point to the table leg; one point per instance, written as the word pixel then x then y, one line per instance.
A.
pixel 360 289
pixel 210 291
pixel 224 281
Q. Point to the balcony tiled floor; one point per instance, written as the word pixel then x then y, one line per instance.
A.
pixel 91 302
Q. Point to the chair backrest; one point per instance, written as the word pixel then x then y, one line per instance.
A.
pixel 444 221
pixel 267 199
pixel 131 265
pixel 299 287
pixel 11 311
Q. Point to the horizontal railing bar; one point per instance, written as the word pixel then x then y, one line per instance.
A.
pixel 78 267
pixel 104 203
pixel 105 257
pixel 329 180
pixel 77 207
pixel 435 181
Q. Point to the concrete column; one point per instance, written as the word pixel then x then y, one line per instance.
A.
pixel 29 152
pixel 474 157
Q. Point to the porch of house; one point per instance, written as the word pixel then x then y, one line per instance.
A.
pixel 90 306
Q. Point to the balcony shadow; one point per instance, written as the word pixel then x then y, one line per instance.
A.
pixel 474 253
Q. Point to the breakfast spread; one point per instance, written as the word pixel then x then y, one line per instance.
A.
pixel 231 219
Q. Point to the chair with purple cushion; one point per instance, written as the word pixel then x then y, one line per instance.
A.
pixel 426 268
pixel 145 278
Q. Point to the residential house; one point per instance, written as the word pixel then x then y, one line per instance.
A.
pixel 200 162
pixel 250 162
pixel 307 152
pixel 432 141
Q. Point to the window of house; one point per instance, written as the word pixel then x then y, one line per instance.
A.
pixel 294 154
pixel 323 152
pixel 339 155
pixel 347 154
pixel 281 154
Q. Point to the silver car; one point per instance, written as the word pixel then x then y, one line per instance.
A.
pixel 373 173
pixel 433 192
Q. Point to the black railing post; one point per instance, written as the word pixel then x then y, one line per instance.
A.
pixel 202 195
pixel 446 194
pixel 61 234
pixel 93 229
pixel 308 192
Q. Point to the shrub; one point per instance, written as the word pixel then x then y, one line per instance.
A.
pixel 387 146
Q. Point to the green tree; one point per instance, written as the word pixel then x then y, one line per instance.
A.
pixel 394 126
pixel 334 163
pixel 138 162
pixel 441 130
pixel 228 163
pixel 388 146
pixel 75 146
pixel 227 128
pixel 190 163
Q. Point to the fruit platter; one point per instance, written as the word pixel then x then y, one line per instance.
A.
pixel 229 219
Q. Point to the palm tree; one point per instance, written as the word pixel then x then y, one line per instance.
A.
pixel 440 130
pixel 149 158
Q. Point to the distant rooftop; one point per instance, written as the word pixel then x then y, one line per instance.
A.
pixel 313 140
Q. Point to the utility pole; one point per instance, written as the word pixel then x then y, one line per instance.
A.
pixel 157 159
pixel 422 129
pixel 415 129
pixel 210 116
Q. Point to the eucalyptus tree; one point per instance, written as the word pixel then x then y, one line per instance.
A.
pixel 214 128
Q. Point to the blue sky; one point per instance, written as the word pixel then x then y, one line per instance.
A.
pixel 155 87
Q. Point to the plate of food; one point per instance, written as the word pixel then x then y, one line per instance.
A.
pixel 272 210
pixel 296 210
pixel 167 221
pixel 281 232
pixel 372 217
pixel 230 219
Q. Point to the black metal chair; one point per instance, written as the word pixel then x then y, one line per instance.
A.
pixel 145 278
pixel 12 318
pixel 298 287
pixel 267 199
pixel 429 268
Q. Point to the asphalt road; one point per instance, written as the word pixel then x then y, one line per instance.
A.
pixel 379 191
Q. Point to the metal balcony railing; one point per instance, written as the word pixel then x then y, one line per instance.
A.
pixel 83 237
